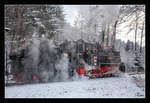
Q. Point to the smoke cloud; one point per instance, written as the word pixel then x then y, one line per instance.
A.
pixel 62 68
pixel 43 60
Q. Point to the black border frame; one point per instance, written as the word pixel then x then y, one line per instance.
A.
pixel 77 2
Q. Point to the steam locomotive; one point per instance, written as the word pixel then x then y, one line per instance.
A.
pixel 27 68
pixel 104 61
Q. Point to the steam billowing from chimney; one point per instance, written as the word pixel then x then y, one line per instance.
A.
pixel 42 59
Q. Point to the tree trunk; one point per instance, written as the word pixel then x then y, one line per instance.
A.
pixel 13 38
pixel 114 34
pixel 136 25
pixel 6 58
pixel 103 37
pixel 108 36
pixel 20 26
pixel 141 38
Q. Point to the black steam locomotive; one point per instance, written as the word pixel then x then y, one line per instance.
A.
pixel 37 67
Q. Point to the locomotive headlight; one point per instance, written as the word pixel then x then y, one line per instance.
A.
pixel 65 54
pixel 110 57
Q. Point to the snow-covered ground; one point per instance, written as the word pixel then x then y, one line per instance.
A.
pixel 139 79
pixel 113 87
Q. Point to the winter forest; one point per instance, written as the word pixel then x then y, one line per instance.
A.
pixel 73 51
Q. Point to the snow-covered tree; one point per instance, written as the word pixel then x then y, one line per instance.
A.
pixel 134 15
pixel 27 20
pixel 97 22
pixel 129 46
pixel 47 20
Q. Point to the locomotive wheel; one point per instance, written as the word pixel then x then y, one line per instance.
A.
pixel 107 75
pixel 101 76
pixel 91 77
pixel 122 67
pixel 111 75
pixel 94 76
